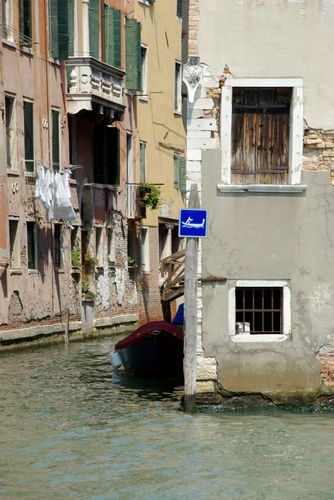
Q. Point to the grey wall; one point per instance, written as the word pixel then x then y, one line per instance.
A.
pixel 274 38
pixel 269 236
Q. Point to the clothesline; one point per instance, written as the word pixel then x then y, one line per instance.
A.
pixel 53 190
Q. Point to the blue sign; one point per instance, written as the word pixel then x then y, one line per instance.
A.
pixel 193 223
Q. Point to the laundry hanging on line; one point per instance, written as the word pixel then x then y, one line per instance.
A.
pixel 53 190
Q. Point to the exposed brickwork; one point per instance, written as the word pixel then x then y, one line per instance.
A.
pixel 319 151
pixel 193 25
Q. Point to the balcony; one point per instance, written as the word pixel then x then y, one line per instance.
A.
pixel 91 81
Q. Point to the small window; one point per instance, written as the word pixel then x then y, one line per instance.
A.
pixel 259 310
pixel 142 161
pixel 31 245
pixel 28 112
pixel 143 62
pixel 145 249
pixel 25 18
pixel 177 89
pixel 14 243
pixel 99 245
pixel 55 139
pixel 8 20
pixel 10 132
pixel 58 246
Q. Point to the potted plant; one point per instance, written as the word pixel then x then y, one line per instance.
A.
pixel 87 293
pixel 150 195
pixel 76 257
pixel 90 260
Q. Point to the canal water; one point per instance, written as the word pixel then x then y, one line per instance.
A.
pixel 72 429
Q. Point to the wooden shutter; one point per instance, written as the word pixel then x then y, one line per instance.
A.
pixel 28 135
pixel 61 28
pixel 176 171
pixel 94 28
pixel 133 55
pixel 53 29
pixel 112 36
pixel 25 22
pixel 182 174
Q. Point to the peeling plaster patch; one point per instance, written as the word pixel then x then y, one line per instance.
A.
pixel 325 355
pixel 104 291
pixel 120 285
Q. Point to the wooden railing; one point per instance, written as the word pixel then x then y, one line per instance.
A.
pixel 172 275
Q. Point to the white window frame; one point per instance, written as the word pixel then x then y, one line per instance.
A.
pixel 11 135
pixel 245 337
pixel 145 249
pixel 296 122
pixel 144 70
pixel 8 22
pixel 178 87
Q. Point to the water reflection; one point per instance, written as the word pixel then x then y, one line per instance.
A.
pixel 73 429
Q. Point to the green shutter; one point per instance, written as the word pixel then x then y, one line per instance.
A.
pixel 53 29
pixel 55 139
pixel 142 162
pixel 94 28
pixel 176 171
pixel 28 135
pixel 117 38
pixel 182 174
pixel 61 28
pixel 133 55
pixel 108 34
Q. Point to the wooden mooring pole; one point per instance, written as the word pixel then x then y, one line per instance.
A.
pixel 190 313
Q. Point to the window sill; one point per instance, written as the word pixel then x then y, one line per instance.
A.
pixel 146 3
pixel 9 43
pixel 143 98
pixel 12 172
pixel 60 270
pixel 32 271
pixel 262 188
pixel 26 50
pixel 32 175
pixel 15 271
pixel 177 113
pixel 258 338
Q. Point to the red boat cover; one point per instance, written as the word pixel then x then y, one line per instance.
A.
pixel 146 330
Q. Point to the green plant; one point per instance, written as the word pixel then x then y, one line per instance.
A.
pixel 76 257
pixel 90 260
pixel 150 195
pixel 86 291
pixel 131 261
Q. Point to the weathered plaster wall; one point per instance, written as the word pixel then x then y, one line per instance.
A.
pixel 276 38
pixel 269 236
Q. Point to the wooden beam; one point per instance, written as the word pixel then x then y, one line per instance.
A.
pixel 190 310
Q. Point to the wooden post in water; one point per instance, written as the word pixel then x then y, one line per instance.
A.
pixel 67 325
pixel 190 313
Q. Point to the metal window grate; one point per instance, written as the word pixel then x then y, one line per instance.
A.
pixel 259 310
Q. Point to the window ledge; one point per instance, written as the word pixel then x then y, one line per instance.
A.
pixel 32 271
pixel 262 188
pixel 32 175
pixel 146 2
pixel 15 271
pixel 143 98
pixel 259 338
pixel 26 50
pixel 177 112
pixel 12 172
pixel 9 43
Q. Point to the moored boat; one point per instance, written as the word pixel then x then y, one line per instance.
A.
pixel 154 349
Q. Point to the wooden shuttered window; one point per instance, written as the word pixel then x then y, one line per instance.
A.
pixel 94 28
pixel 28 114
pixel 133 55
pixel 61 28
pixel 112 36
pixel 260 135
pixel 180 173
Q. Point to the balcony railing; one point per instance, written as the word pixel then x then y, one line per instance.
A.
pixel 91 80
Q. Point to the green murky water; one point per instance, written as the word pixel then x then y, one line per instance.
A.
pixel 69 429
